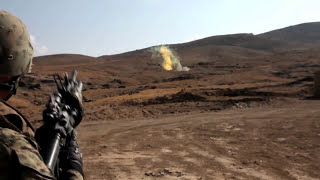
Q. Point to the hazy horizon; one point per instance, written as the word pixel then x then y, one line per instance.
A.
pixel 112 27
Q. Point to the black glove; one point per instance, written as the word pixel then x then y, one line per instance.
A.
pixel 71 92
pixel 70 156
pixel 57 119
pixel 58 116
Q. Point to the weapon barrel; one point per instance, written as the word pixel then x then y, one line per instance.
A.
pixel 52 153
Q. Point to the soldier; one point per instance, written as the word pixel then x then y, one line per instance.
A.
pixel 19 152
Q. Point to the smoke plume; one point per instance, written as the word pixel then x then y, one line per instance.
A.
pixel 170 59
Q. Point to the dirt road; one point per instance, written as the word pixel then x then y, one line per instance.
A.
pixel 278 141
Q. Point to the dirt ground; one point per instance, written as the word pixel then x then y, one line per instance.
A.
pixel 229 117
pixel 278 141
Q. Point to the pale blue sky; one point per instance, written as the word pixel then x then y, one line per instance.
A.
pixel 100 27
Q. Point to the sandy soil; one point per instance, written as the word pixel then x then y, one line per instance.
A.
pixel 279 141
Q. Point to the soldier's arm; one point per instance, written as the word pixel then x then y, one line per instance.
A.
pixel 72 174
pixel 71 159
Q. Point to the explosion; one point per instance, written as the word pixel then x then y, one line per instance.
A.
pixel 170 60
pixel 167 56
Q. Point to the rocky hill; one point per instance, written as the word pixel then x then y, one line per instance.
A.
pixel 303 34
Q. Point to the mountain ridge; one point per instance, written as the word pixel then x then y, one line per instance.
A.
pixel 296 37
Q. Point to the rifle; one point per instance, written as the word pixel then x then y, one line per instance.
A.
pixel 63 113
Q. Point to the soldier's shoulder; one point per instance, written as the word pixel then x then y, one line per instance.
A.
pixel 26 151
pixel 13 119
pixel 5 108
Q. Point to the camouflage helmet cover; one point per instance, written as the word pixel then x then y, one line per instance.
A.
pixel 16 51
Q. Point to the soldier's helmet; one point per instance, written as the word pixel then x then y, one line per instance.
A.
pixel 16 51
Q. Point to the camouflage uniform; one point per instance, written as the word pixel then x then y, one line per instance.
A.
pixel 20 158
pixel 19 155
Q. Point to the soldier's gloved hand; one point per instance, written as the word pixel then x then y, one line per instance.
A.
pixel 71 157
pixel 71 92
pixel 57 119
pixel 57 116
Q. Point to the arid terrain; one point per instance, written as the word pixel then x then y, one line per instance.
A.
pixel 245 110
